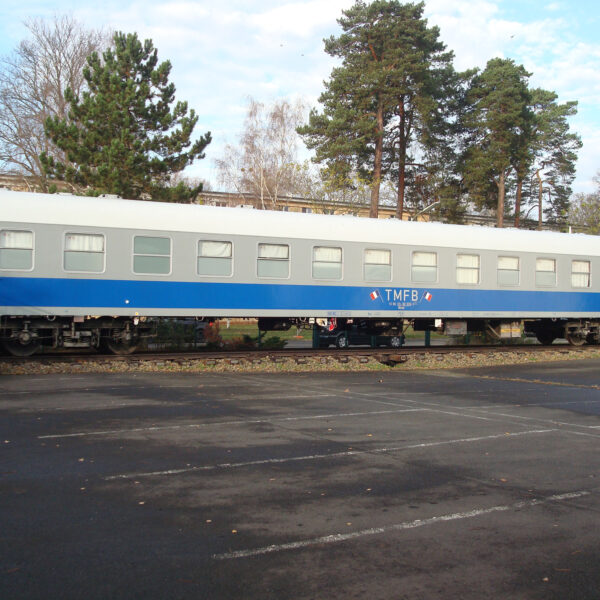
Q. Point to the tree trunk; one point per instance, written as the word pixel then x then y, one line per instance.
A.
pixel 401 186
pixel 518 203
pixel 374 211
pixel 500 208
pixel 401 163
pixel 540 191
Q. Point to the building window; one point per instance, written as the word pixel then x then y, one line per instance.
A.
pixel 306 210
pixel 378 265
pixel 151 255
pixel 508 270
pixel 215 258
pixel 16 250
pixel 84 252
pixel 327 263
pixel 273 260
pixel 580 273
pixel 545 272
pixel 424 267
pixel 467 269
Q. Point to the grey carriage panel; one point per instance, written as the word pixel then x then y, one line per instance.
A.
pixel 48 260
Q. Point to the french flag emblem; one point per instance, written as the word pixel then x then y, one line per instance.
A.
pixel 428 296
pixel 374 295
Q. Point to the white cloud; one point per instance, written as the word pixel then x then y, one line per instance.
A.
pixel 476 32
pixel 549 49
pixel 224 52
pixel 299 19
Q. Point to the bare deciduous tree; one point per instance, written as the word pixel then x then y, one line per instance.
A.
pixel 265 162
pixel 331 195
pixel 584 213
pixel 32 85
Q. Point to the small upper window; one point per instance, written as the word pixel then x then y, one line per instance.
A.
pixel 84 252
pixel 151 255
pixel 508 270
pixel 273 260
pixel 580 273
pixel 424 267
pixel 467 269
pixel 327 263
pixel 16 250
pixel 378 265
pixel 545 272
pixel 215 258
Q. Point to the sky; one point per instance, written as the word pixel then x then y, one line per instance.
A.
pixel 225 52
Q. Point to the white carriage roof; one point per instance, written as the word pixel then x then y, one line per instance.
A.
pixel 23 207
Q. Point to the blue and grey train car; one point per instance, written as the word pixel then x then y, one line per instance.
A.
pixel 77 271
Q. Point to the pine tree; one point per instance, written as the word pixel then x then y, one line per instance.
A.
pixel 382 97
pixel 554 149
pixel 121 136
pixel 497 120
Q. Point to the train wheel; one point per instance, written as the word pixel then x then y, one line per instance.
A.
pixel 576 338
pixel 395 341
pixel 16 348
pixel 545 338
pixel 120 348
pixel 341 341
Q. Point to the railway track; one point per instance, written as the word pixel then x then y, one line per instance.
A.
pixel 386 356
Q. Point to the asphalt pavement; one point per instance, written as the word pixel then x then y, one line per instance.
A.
pixel 477 483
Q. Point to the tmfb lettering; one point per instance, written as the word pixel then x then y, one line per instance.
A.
pixel 402 295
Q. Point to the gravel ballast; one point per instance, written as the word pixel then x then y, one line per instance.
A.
pixel 179 363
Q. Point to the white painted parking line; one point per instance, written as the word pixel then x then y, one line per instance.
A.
pixel 536 381
pixel 221 423
pixel 342 537
pixel 348 453
pixel 546 404
pixel 277 396
pixel 516 418
pixel 437 407
pixel 103 389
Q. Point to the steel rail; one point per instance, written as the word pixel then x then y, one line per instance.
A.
pixel 387 355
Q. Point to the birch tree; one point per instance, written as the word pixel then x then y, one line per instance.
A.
pixel 33 80
pixel 264 163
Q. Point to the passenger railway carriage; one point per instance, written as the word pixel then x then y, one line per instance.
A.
pixel 77 271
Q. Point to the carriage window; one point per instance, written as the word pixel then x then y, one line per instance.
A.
pixel 508 270
pixel 580 273
pixel 327 263
pixel 273 260
pixel 467 269
pixel 214 258
pixel 151 255
pixel 545 271
pixel 84 252
pixel 16 250
pixel 424 267
pixel 378 265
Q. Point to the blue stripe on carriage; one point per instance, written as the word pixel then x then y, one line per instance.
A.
pixel 30 291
